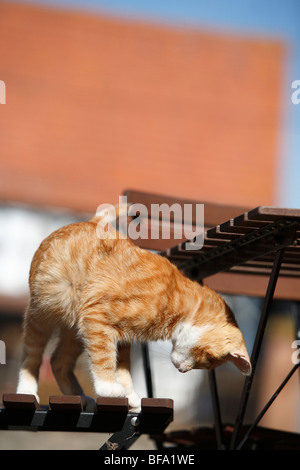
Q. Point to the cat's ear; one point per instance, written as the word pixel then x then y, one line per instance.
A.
pixel 241 361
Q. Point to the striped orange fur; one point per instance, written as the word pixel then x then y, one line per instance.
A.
pixel 103 294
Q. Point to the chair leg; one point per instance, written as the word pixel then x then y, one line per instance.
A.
pixel 257 345
pixel 149 383
pixel 147 369
pixel 123 439
pixel 217 410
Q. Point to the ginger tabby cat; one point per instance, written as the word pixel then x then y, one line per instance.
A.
pixel 103 293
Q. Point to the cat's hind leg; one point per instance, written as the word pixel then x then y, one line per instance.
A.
pixel 124 377
pixel 35 337
pixel 63 361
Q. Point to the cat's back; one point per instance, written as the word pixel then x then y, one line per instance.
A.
pixel 60 266
pixel 64 247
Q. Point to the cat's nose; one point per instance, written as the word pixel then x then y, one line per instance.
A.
pixel 183 369
pixel 179 365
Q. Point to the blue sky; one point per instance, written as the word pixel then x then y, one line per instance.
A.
pixel 265 16
pixel 271 18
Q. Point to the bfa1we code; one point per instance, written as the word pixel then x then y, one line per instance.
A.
pixel 171 459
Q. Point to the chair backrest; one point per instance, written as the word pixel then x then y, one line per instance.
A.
pixel 214 214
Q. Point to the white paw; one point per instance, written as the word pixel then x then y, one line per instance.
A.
pixel 27 384
pixel 134 402
pixel 109 389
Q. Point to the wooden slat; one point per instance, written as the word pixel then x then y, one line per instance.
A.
pixel 244 221
pixel 156 413
pixel 233 283
pixel 230 227
pixel 20 401
pixel 157 405
pixel 218 234
pixel 65 403
pixel 112 411
pixel 111 404
pixel 273 213
pixel 263 271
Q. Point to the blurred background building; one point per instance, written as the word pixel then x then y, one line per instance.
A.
pixel 190 99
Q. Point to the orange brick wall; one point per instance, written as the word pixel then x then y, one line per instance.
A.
pixel 96 105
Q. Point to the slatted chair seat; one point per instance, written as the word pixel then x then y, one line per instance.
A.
pixel 66 413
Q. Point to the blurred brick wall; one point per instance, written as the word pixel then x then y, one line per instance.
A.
pixel 97 105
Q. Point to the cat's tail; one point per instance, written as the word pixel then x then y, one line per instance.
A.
pixel 107 218
pixel 109 214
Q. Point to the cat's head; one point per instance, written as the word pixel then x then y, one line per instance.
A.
pixel 210 338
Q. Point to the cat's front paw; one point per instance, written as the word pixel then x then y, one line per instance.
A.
pixel 27 385
pixel 109 389
pixel 134 402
